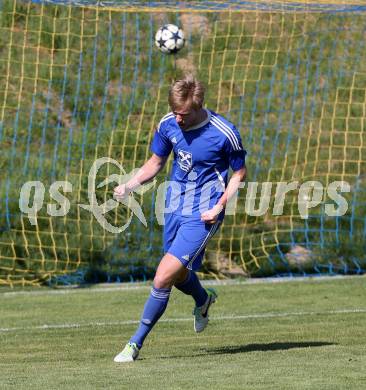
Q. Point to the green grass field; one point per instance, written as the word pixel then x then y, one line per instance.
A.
pixel 290 335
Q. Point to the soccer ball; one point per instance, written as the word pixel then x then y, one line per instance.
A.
pixel 169 39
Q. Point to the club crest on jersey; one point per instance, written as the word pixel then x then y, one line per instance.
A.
pixel 185 160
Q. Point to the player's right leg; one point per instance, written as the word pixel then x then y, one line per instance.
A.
pixel 129 353
pixel 170 269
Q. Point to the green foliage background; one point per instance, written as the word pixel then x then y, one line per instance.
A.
pixel 77 84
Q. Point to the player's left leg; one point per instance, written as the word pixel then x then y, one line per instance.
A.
pixel 192 286
pixel 169 271
pixel 189 247
pixel 203 298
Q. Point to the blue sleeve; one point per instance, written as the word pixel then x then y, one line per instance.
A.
pixel 235 151
pixel 161 144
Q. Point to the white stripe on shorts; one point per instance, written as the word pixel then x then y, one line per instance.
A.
pixel 204 243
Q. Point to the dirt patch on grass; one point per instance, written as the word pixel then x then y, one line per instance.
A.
pixel 195 24
pixel 186 64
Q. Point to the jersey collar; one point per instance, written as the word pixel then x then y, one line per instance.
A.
pixel 203 123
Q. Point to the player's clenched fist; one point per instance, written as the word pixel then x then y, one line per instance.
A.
pixel 210 216
pixel 120 192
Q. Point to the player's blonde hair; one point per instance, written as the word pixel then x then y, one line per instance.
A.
pixel 187 92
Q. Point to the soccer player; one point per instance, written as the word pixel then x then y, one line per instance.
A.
pixel 205 145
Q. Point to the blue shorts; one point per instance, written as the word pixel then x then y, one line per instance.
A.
pixel 186 237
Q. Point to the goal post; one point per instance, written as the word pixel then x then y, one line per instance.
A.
pixel 82 80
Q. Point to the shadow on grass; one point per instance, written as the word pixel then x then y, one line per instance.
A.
pixel 232 349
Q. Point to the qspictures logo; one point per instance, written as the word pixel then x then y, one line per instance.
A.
pixel 31 207
pixel 258 200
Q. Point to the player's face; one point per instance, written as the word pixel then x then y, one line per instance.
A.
pixel 186 117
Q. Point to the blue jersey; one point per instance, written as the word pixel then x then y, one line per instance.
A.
pixel 202 157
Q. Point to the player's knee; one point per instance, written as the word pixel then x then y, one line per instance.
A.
pixel 163 281
pixel 181 277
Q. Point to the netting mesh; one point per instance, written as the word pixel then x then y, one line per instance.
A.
pixel 82 80
pixel 219 5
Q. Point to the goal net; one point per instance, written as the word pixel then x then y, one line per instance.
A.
pixel 82 80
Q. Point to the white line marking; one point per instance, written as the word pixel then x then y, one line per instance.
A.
pixel 77 289
pixel 141 285
pixel 184 319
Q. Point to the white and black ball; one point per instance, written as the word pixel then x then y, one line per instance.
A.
pixel 169 39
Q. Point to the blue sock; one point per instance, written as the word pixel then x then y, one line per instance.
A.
pixel 192 286
pixel 153 310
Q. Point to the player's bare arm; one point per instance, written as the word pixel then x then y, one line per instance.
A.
pixel 210 216
pixel 147 172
